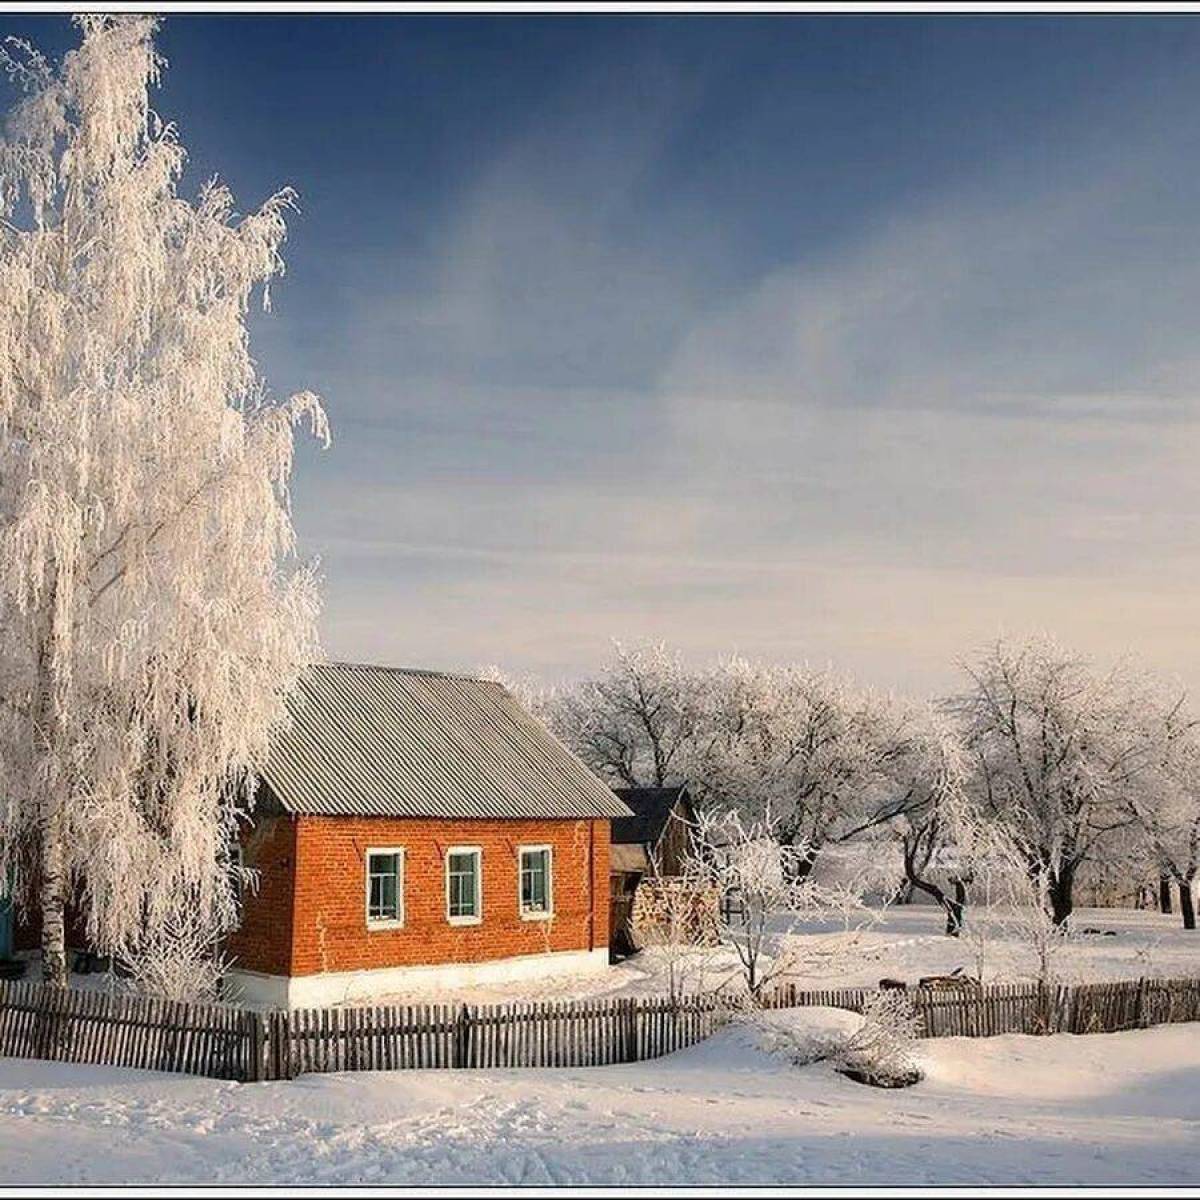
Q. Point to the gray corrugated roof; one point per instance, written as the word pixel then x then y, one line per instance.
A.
pixel 387 741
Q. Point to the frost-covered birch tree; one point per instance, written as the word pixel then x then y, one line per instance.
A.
pixel 149 628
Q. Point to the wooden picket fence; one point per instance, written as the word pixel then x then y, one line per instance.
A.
pixel 230 1043
pixel 121 1030
pixel 586 1033
pixel 970 1011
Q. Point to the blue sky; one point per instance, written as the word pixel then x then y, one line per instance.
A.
pixel 849 339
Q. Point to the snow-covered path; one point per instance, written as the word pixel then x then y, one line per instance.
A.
pixel 1110 1109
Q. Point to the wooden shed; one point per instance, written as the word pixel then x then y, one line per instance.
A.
pixel 653 841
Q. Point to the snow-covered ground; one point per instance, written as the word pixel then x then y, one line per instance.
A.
pixel 1115 1109
pixel 907 942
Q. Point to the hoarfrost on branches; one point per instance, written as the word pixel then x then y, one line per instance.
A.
pixel 881 1050
pixel 766 901
pixel 634 722
pixel 1055 747
pixel 1012 899
pixel 1165 808
pixel 149 632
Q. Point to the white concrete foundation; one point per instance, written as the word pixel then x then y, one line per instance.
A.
pixel 337 987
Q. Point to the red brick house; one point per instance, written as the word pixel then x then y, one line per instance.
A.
pixel 414 828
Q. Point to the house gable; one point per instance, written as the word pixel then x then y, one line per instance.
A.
pixel 661 824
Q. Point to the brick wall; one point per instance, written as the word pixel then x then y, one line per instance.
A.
pixel 326 894
pixel 262 942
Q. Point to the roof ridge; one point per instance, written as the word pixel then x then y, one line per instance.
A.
pixel 418 671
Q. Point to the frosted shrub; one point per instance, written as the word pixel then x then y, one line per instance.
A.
pixel 178 958
pixel 799 1042
pixel 881 1051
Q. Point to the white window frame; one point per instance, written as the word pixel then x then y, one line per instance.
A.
pixel 477 852
pixel 537 914
pixel 396 922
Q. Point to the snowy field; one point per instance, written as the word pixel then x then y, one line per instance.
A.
pixel 1116 1109
pixel 906 943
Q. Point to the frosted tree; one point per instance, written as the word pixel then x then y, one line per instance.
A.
pixel 150 629
pixel 923 777
pixel 799 743
pixel 1012 897
pixel 766 903
pixel 634 721
pixel 1055 746
pixel 1165 807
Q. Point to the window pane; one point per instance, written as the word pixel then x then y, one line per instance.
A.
pixel 383 887
pixel 535 881
pixel 462 871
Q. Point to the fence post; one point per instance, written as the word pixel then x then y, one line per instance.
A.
pixel 1143 988
pixel 462 1037
pixel 259 1042
pixel 631 1030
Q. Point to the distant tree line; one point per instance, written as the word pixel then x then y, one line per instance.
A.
pixel 1074 767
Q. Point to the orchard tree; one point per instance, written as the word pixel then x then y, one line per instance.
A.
pixel 768 908
pixel 1056 747
pixel 791 741
pixel 1165 809
pixel 923 771
pixel 1014 906
pixel 633 723
pixel 149 631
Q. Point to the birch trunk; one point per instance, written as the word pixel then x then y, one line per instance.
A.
pixel 53 898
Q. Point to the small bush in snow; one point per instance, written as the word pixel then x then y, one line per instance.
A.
pixel 800 1044
pixel 881 1050
pixel 179 958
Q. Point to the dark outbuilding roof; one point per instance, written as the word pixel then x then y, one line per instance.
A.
pixel 651 807
pixel 391 742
